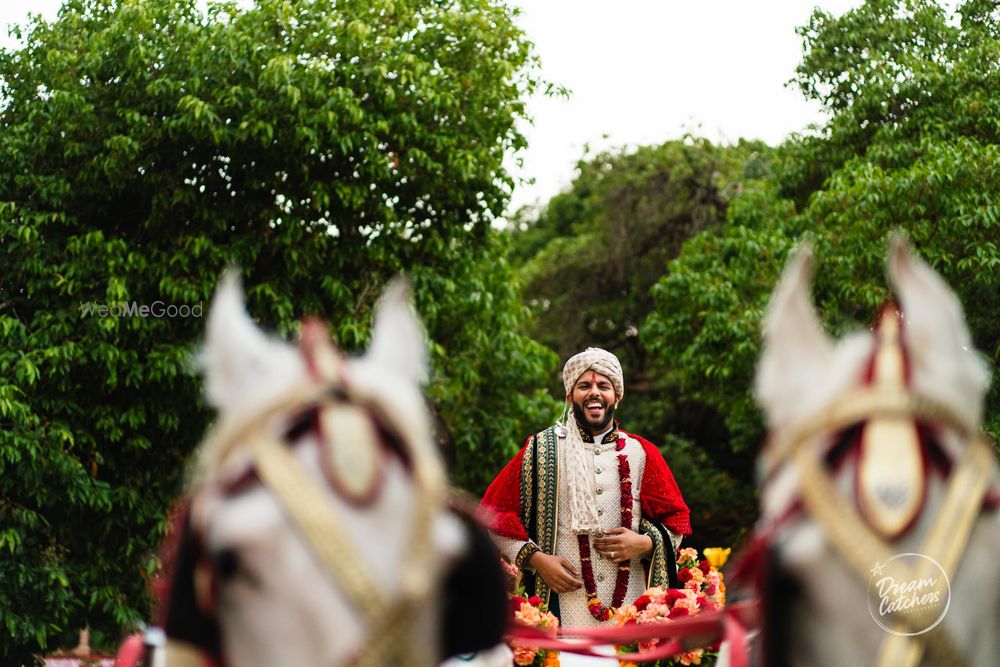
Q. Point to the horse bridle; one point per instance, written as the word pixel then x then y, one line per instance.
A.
pixel 854 541
pixel 307 505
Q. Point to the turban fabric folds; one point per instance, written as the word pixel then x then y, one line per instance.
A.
pixel 597 360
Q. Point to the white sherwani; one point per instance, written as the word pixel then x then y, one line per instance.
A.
pixel 573 605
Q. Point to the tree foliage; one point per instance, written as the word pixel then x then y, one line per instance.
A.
pixel 590 257
pixel 911 143
pixel 589 262
pixel 321 146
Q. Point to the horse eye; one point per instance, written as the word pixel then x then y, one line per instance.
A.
pixel 225 562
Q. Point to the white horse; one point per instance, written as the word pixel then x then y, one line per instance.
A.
pixel 318 532
pixel 879 529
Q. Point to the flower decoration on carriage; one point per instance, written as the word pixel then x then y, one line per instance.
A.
pixel 701 576
pixel 703 590
pixel 511 576
pixel 533 613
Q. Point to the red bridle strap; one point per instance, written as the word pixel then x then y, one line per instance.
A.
pixel 130 652
pixel 729 623
pixel 178 654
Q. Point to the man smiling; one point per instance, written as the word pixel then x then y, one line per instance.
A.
pixel 590 513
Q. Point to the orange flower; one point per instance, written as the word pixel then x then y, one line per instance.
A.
pixel 626 663
pixel 691 657
pixel 551 659
pixel 685 555
pixel 550 622
pixel 524 656
pixel 648 644
pixel 528 614
pixel 626 613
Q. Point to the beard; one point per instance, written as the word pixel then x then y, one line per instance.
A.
pixel 593 427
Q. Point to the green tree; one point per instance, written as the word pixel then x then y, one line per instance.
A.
pixel 911 143
pixel 589 261
pixel 590 257
pixel 321 146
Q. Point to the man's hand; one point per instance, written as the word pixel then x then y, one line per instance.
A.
pixel 622 544
pixel 557 572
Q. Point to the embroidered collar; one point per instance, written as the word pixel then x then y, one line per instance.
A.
pixel 610 436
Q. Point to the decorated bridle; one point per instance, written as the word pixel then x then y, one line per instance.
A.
pixel 889 408
pixel 347 419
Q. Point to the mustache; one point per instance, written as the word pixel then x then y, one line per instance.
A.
pixel 581 415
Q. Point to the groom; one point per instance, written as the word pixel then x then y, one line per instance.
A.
pixel 589 512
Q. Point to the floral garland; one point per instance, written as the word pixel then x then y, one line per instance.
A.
pixel 533 612
pixel 703 590
pixel 594 604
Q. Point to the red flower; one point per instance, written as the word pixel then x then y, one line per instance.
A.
pixel 642 602
pixel 684 575
pixel 678 612
pixel 711 590
pixel 705 566
pixel 517 601
pixel 599 611
pixel 705 603
pixel 536 601
pixel 675 594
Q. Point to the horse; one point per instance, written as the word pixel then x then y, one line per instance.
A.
pixel 879 531
pixel 317 528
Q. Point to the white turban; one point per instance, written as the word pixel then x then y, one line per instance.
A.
pixel 580 463
pixel 598 360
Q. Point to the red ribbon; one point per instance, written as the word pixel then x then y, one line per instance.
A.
pixel 130 652
pixel 729 623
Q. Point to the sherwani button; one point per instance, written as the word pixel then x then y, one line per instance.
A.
pixel 600 577
pixel 600 491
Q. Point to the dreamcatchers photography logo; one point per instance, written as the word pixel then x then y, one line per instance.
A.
pixel 909 594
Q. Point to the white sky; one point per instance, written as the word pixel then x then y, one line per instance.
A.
pixel 646 71
pixel 642 72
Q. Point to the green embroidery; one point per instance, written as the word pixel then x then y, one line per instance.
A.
pixel 658 561
pixel 541 458
pixel 527 476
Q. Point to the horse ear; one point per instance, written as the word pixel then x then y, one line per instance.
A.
pixel 943 362
pixel 797 352
pixel 397 337
pixel 242 366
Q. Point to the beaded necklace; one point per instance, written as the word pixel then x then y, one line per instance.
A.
pixel 594 604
